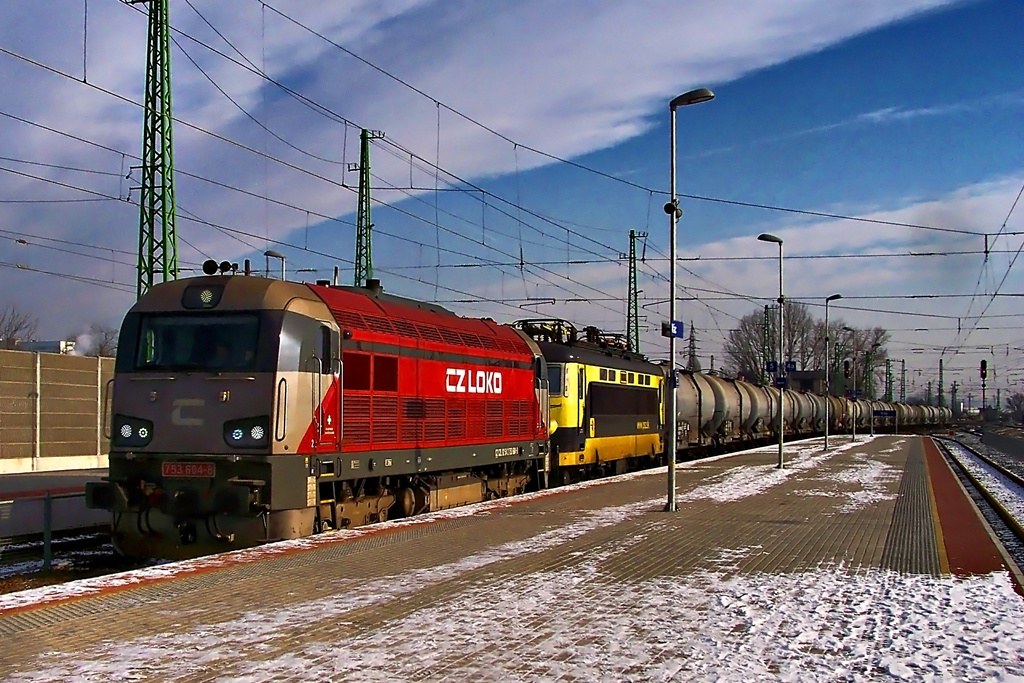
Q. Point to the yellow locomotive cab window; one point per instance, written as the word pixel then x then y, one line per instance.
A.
pixel 556 385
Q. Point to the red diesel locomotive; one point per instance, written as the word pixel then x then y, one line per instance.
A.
pixel 247 410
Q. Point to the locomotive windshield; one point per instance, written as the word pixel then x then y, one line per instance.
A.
pixel 555 379
pixel 200 343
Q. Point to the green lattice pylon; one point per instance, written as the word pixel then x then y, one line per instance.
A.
pixel 632 310
pixel 158 239
pixel 364 226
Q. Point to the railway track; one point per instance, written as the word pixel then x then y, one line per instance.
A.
pixel 77 556
pixel 995 481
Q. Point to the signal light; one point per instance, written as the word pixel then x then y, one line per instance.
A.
pixel 846 368
pixel 984 369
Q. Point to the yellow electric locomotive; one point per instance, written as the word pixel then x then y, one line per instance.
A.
pixel 606 403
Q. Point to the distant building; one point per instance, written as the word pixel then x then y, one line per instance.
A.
pixel 63 346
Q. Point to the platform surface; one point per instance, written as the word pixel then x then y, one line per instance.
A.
pixel 861 563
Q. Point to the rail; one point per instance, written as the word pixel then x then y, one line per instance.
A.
pixel 25 518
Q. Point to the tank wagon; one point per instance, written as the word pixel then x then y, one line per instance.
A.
pixel 247 410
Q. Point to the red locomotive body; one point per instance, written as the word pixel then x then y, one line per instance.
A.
pixel 246 410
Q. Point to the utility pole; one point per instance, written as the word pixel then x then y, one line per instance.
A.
pixel 158 239
pixel 691 362
pixel 888 379
pixel 952 400
pixel 364 226
pixel 928 401
pixel 632 310
pixel 903 381
pixel 942 393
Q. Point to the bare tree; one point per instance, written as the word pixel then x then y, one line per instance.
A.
pixel 1015 404
pixel 16 325
pixel 804 343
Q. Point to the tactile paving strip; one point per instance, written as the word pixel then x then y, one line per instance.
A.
pixel 911 546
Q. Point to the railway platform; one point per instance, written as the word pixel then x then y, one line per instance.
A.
pixel 24 499
pixel 863 562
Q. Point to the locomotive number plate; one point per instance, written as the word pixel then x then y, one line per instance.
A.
pixel 188 469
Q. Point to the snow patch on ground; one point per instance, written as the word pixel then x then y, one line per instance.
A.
pixel 577 625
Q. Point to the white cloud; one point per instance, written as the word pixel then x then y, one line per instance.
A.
pixel 567 78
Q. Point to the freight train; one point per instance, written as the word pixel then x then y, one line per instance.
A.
pixel 245 410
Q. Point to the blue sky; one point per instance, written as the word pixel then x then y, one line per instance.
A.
pixel 899 110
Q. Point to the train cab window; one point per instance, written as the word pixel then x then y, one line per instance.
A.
pixel 357 371
pixel 196 343
pixel 327 354
pixel 604 373
pixel 611 375
pixel 556 386
pixel 385 373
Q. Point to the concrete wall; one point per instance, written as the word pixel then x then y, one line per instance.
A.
pixel 51 411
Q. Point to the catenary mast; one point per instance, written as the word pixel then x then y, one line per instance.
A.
pixel 158 239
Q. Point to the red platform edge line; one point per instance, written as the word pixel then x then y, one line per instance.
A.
pixel 970 544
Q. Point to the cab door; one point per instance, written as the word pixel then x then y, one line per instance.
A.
pixel 325 400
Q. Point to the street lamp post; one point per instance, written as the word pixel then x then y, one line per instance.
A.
pixel 828 369
pixel 766 237
pixel 674 212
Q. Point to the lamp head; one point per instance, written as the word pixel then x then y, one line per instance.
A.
pixel 834 297
pixel 768 237
pixel 692 97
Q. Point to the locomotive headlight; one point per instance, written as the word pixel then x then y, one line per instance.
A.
pixel 251 432
pixel 131 432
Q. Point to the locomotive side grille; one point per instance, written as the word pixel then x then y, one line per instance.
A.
pixel 506 345
pixel 494 409
pixel 378 324
pixel 456 418
pixel 349 319
pixel 357 420
pixel 451 336
pixel 470 339
pixel 429 332
pixel 385 419
pixel 434 430
pixel 412 419
pixel 456 429
pixel 475 423
pixel 456 409
pixel 405 328
pixel 495 425
pixel 519 420
pixel 434 409
pixel 488 343
pixel 412 409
